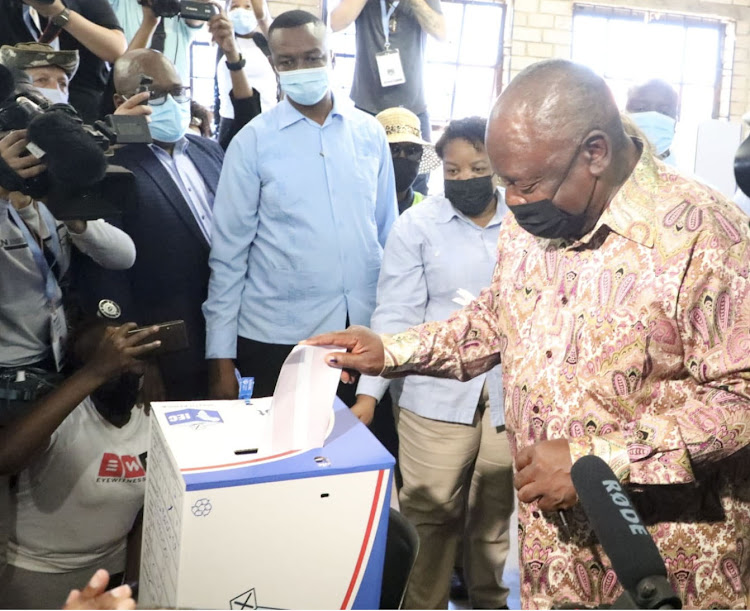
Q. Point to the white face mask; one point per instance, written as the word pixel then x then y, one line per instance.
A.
pixel 55 96
pixel 243 21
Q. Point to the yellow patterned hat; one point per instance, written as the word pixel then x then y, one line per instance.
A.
pixel 402 125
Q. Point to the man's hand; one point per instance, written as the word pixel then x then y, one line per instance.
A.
pixel 222 32
pixel 149 17
pixel 543 475
pixel 12 149
pixel 364 409
pixel 222 383
pixel 118 351
pixel 134 106
pixel 365 352
pixel 93 596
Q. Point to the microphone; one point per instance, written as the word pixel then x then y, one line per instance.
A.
pixel 73 158
pixel 625 539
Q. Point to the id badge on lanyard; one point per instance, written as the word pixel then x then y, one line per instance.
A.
pixel 58 323
pixel 390 68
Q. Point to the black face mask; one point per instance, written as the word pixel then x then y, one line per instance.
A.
pixel 470 197
pixel 406 171
pixel 545 220
pixel 115 399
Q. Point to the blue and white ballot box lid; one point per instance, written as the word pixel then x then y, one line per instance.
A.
pixel 302 431
pixel 227 443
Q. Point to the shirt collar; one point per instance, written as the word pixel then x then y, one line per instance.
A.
pixel 446 212
pixel 179 147
pixel 289 115
pixel 631 212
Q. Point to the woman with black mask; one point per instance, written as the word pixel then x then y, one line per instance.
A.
pixel 454 454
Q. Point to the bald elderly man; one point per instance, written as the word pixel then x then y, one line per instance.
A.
pixel 170 221
pixel 620 308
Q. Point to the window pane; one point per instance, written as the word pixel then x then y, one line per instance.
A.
pixel 439 84
pixel 474 92
pixel 204 61
pixel 665 44
pixel 589 39
pixel 697 104
pixel 701 56
pixel 344 41
pixel 203 92
pixel 481 34
pixel 630 49
pixel 625 59
pixel 342 76
pixel 437 51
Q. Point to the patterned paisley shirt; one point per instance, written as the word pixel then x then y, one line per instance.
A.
pixel 634 344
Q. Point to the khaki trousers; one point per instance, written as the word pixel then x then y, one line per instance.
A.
pixel 457 482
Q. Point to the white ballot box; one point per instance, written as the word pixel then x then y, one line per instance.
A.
pixel 234 521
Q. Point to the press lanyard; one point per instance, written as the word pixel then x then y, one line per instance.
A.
pixel 386 14
pixel 50 282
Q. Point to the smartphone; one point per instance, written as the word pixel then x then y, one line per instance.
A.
pixel 172 335
pixel 192 9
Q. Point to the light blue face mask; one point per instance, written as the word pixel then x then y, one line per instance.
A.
pixel 243 21
pixel 170 121
pixel 659 129
pixel 306 87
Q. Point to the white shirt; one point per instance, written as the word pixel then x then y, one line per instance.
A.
pixel 75 505
pixel 259 73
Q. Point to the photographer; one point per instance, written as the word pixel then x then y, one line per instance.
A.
pixel 35 260
pixel 144 27
pixel 81 473
pixel 50 71
pixel 244 75
pixel 87 26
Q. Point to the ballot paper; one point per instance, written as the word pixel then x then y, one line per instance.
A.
pixel 302 406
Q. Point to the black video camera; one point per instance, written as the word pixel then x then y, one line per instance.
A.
pixel 186 9
pixel 79 184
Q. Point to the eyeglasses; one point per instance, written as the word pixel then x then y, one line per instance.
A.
pixel 158 97
pixel 406 149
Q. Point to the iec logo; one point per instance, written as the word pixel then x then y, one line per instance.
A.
pixel 194 416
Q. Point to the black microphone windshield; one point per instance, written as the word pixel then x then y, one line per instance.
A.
pixel 74 159
pixel 616 523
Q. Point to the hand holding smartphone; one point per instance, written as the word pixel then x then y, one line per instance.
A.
pixel 172 335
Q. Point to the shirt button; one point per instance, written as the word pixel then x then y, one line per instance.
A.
pixel 549 354
pixel 565 301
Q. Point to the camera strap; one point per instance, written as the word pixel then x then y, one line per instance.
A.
pixel 47 260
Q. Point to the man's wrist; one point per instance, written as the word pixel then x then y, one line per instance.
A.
pixel 232 56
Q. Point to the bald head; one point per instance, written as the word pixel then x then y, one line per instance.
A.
pixel 555 134
pixel 558 101
pixel 131 67
pixel 655 95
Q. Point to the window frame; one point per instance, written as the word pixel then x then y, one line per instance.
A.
pixel 498 65
pixel 722 83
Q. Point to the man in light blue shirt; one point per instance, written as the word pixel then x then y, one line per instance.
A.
pixel 139 23
pixel 304 205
